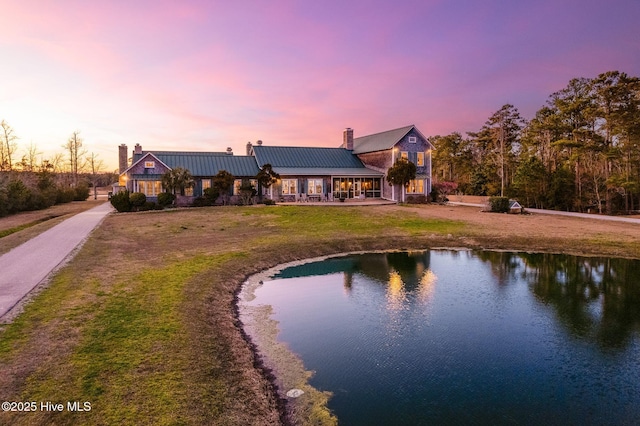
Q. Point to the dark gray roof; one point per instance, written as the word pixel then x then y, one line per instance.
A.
pixel 380 141
pixel 209 163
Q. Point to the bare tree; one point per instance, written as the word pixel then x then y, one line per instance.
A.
pixel 76 155
pixel 8 146
pixel 29 159
pixel 96 167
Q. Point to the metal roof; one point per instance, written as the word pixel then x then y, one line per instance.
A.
pixel 307 157
pixel 380 141
pixel 209 163
pixel 326 171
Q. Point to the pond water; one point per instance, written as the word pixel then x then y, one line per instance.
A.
pixel 460 337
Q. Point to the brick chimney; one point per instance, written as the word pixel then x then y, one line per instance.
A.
pixel 249 146
pixel 347 139
pixel 122 158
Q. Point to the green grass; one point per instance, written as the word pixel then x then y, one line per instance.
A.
pixel 5 232
pixel 141 323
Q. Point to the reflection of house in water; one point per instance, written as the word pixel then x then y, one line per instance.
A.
pixel 399 273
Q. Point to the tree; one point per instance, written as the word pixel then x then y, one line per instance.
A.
pixel 177 180
pixel 529 181
pixel 452 159
pixel 223 182
pixel 266 177
pixel 95 165
pixel 8 146
pixel 76 155
pixel 501 140
pixel 401 173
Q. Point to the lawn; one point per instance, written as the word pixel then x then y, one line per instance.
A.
pixel 142 323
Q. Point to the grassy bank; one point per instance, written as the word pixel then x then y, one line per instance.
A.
pixel 142 323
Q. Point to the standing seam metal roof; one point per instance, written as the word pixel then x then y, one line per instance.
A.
pixel 209 163
pixel 380 141
pixel 306 157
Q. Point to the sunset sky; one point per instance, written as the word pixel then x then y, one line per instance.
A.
pixel 205 75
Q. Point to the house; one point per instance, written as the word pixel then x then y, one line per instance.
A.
pixel 356 169
pixel 147 167
pixel 381 150
pixel 317 173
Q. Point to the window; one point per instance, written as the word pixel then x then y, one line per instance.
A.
pixel 150 188
pixel 404 154
pixel 149 164
pixel 420 159
pixel 314 187
pixel 413 139
pixel 206 183
pixel 237 184
pixel 415 186
pixel 289 186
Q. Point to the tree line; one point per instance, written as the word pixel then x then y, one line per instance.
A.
pixel 581 151
pixel 32 182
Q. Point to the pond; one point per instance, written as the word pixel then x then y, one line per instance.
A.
pixel 454 337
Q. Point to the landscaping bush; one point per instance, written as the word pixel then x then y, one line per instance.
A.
pixel 269 202
pixel 81 192
pixel 18 196
pixel 166 198
pixel 201 202
pixel 4 203
pixel 65 195
pixel 137 200
pixel 499 204
pixel 120 201
pixel 417 199
pixel 149 205
pixel 211 195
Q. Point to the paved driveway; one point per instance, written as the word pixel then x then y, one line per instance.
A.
pixel 24 267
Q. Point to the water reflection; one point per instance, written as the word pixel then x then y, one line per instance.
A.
pixel 509 337
pixel 594 298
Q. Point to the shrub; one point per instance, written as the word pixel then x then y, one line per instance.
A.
pixel 81 192
pixel 211 195
pixel 149 205
pixel 137 200
pixel 269 202
pixel 64 195
pixel 121 201
pixel 165 199
pixel 201 202
pixel 4 202
pixel 499 204
pixel 18 196
pixel 417 199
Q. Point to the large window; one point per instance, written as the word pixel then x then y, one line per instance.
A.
pixel 314 187
pixel 289 186
pixel 415 186
pixel 420 159
pixel 237 184
pixel 150 188
pixel 404 154
pixel 206 183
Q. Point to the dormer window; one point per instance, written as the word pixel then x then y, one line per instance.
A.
pixel 413 139
pixel 149 164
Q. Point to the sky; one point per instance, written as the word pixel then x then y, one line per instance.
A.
pixel 207 75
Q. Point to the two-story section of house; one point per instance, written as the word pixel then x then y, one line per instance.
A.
pixel 381 150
